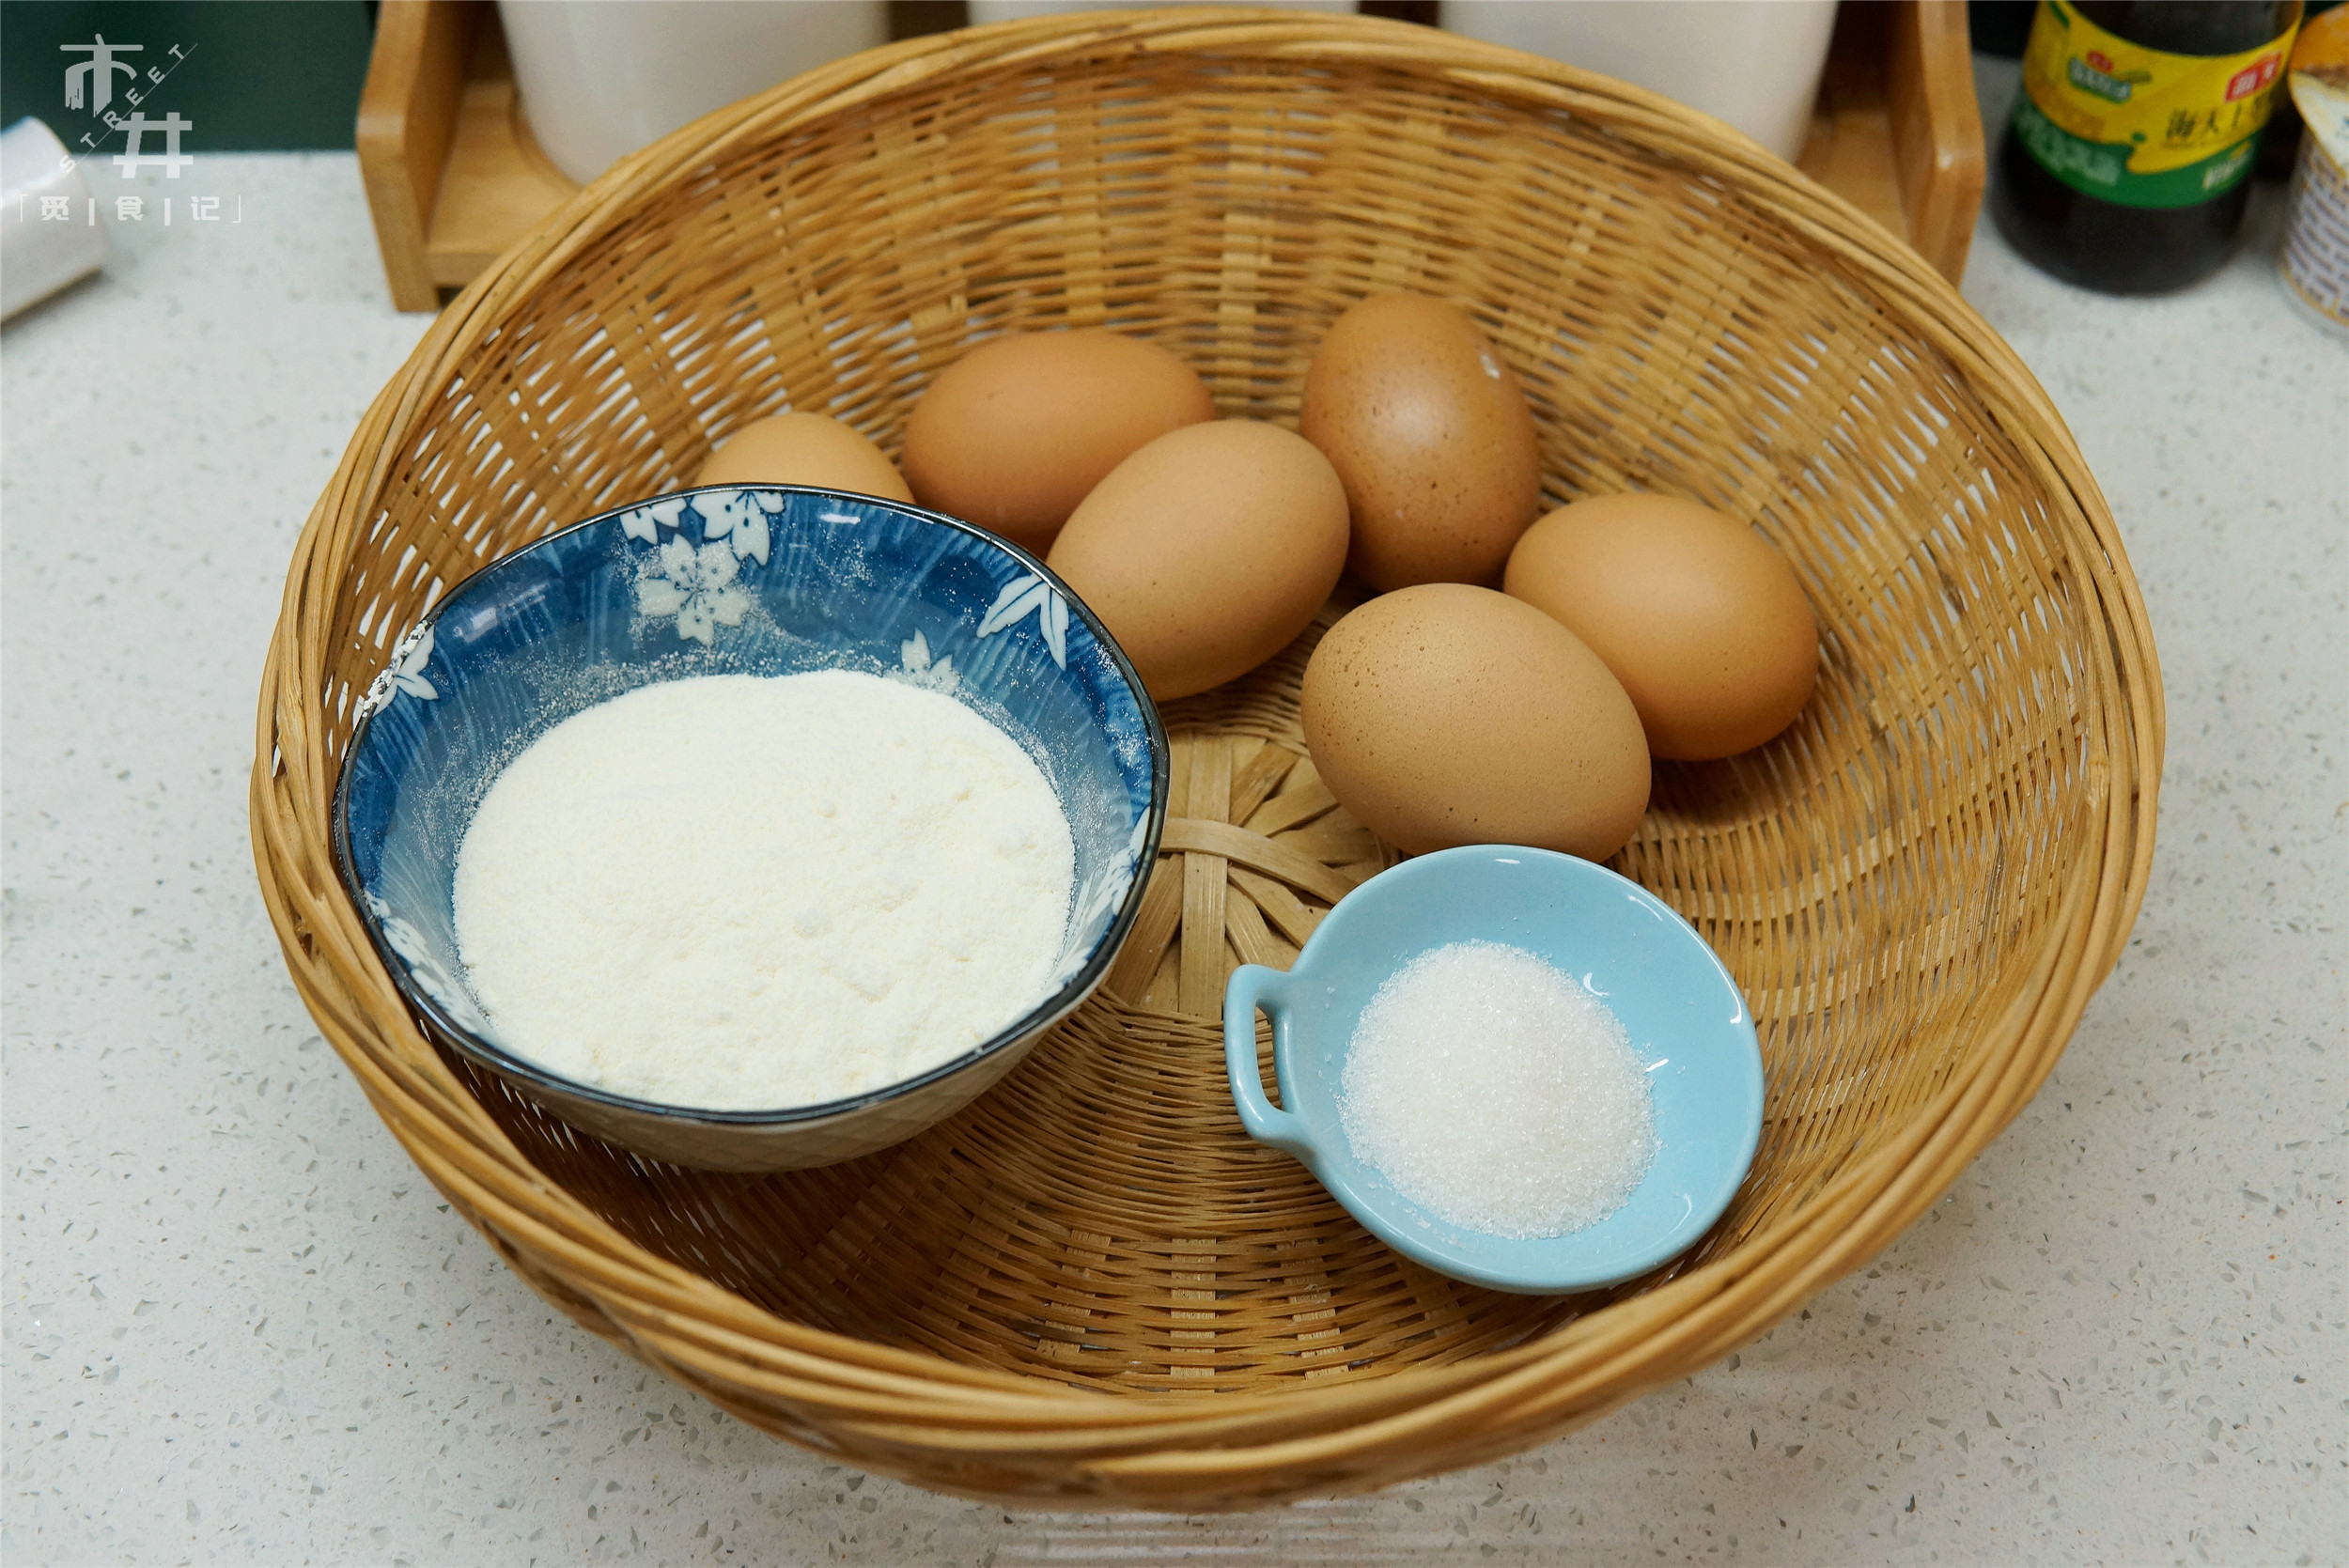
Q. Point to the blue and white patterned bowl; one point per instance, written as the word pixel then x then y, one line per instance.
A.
pixel 738 580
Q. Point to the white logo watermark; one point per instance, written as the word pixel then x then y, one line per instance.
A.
pixel 101 68
pixel 132 209
pixel 130 160
pixel 91 88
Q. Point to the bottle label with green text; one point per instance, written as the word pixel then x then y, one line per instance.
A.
pixel 2135 125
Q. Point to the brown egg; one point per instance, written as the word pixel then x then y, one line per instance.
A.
pixel 1429 429
pixel 1445 714
pixel 1208 551
pixel 804 449
pixel 1701 619
pixel 1017 432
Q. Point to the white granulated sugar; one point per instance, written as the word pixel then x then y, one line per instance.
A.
pixel 1498 1094
pixel 737 893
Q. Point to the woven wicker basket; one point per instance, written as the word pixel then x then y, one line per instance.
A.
pixel 1091 1287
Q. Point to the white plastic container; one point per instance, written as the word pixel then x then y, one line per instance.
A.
pixel 38 254
pixel 1753 63
pixel 2315 261
pixel 601 78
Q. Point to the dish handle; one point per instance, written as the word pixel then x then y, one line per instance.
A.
pixel 1252 986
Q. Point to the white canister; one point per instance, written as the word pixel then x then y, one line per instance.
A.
pixel 1753 63
pixel 40 251
pixel 601 78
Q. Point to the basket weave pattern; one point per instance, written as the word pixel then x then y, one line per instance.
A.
pixel 1090 1285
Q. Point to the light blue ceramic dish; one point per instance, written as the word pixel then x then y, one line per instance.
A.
pixel 755 581
pixel 1683 1012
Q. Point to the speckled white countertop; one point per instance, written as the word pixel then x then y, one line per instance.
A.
pixel 239 1328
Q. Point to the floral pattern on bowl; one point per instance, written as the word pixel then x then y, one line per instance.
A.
pixel 741 580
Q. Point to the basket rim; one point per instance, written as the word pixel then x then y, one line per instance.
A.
pixel 909 1404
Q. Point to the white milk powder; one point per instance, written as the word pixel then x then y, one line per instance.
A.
pixel 737 893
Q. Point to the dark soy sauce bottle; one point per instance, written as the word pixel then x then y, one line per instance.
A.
pixel 2127 165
